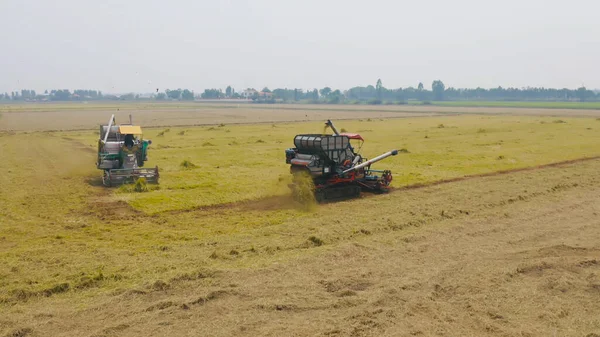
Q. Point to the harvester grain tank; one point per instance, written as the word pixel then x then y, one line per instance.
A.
pixel 121 154
pixel 336 170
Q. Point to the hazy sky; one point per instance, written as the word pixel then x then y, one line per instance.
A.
pixel 141 45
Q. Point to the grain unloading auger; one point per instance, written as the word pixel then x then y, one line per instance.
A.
pixel 337 172
pixel 122 153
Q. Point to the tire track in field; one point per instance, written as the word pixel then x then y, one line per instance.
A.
pixel 496 173
pixel 287 202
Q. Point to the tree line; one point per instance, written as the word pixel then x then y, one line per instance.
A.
pixel 439 92
pixel 377 94
pixel 52 95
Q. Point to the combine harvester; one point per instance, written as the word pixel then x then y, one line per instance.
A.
pixel 337 172
pixel 121 154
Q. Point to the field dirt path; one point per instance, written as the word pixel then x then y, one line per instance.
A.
pixel 515 254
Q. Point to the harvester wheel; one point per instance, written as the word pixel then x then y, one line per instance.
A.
pixel 106 179
pixel 387 177
pixel 319 196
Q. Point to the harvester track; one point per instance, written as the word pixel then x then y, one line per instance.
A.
pixel 330 194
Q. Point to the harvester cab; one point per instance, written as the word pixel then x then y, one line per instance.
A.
pixel 121 154
pixel 336 170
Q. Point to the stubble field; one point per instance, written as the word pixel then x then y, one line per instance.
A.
pixel 491 229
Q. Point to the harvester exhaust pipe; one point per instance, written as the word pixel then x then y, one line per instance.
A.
pixel 371 161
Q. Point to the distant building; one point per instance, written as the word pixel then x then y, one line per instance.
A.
pixel 42 97
pixel 253 94
pixel 265 95
pixel 249 93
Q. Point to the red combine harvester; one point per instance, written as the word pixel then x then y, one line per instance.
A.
pixel 337 172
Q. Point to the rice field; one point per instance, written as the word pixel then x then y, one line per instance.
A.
pixel 490 230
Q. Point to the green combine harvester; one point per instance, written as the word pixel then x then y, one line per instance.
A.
pixel 122 153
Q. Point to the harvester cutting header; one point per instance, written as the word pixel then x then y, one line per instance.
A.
pixel 337 171
pixel 121 154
